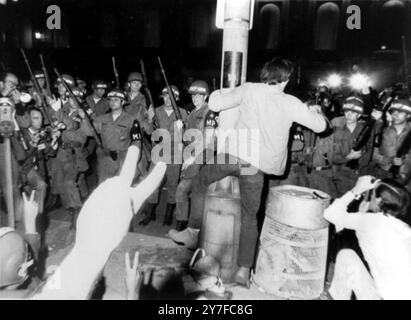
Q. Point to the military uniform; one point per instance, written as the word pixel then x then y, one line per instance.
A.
pixel 321 175
pixel 32 158
pixel 71 159
pixel 166 121
pixel 137 107
pixel 202 119
pixel 99 107
pixel 383 157
pixel 346 172
pixel 115 137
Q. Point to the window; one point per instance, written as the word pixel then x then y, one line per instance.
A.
pixel 326 29
pixel 269 19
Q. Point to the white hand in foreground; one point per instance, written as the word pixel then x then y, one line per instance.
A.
pixel 102 223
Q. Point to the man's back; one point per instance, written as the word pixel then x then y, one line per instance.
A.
pixel 270 112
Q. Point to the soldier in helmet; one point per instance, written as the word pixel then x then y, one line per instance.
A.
pixel 168 121
pixel 347 162
pixel 136 102
pixel 81 85
pixel 115 130
pixel 393 136
pixel 71 159
pixel 206 121
pixel 58 102
pixel 96 101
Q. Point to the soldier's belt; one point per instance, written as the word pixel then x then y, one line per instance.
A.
pixel 322 168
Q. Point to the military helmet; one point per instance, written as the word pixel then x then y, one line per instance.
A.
pixel 199 87
pixel 117 94
pixel 67 79
pixel 353 103
pixel 135 76
pixel 401 104
pixel 175 90
pixel 99 84
pixel 77 93
pixel 14 258
pixel 39 74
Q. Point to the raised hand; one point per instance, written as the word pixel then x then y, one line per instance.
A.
pixel 364 184
pixel 134 277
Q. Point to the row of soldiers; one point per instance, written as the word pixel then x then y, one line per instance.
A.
pixel 52 158
pixel 361 140
pixel 54 142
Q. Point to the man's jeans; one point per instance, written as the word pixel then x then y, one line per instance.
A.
pixel 250 188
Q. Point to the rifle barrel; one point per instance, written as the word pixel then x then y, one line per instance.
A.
pixel 87 117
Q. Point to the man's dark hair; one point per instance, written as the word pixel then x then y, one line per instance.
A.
pixel 276 71
pixel 395 199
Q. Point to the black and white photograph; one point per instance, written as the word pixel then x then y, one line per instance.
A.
pixel 234 151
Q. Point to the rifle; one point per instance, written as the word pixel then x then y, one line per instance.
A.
pixel 312 142
pixel 46 76
pixel 79 105
pixel 368 130
pixel 148 92
pixel 37 88
pixel 116 73
pixel 401 152
pixel 170 92
pixel 404 54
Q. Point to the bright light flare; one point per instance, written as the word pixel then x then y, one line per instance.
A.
pixel 334 80
pixel 37 35
pixel 359 81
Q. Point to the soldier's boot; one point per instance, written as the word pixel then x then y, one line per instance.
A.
pixel 181 225
pixel 168 218
pixel 150 214
pixel 242 277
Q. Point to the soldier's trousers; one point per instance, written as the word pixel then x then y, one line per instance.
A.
pixel 18 201
pixel 170 182
pixel 344 179
pixel 66 174
pixel 296 176
pixel 322 180
pixel 183 199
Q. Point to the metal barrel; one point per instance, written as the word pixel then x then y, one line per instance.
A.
pixel 220 233
pixel 292 255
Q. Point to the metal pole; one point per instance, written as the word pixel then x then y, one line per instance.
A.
pixel 9 182
pixel 236 21
pixel 404 53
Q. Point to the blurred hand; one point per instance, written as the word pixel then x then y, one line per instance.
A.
pixel 315 108
pixel 134 277
pixel 105 217
pixel 151 113
pixel 30 212
pixel 354 155
pixel 397 161
pixel 81 113
pixel 179 124
pixel 376 114
pixel 364 184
